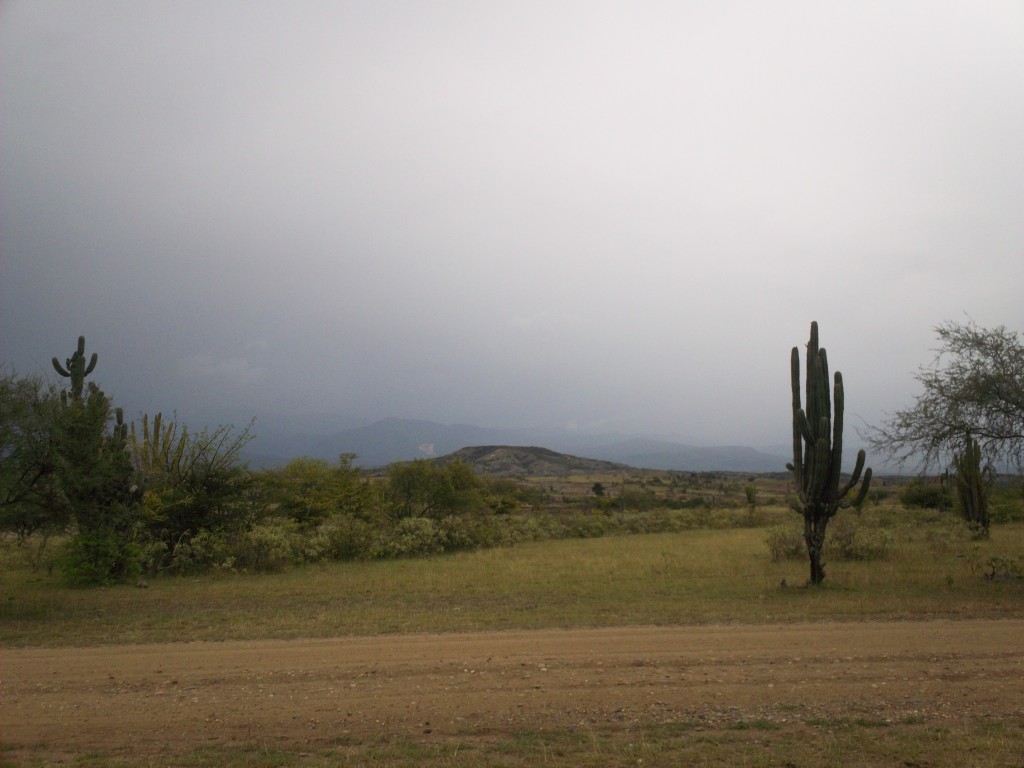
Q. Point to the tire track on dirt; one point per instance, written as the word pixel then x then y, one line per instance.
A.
pixel 160 699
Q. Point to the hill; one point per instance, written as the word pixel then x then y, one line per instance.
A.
pixel 382 442
pixel 527 461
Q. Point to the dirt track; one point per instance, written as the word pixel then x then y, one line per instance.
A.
pixel 160 699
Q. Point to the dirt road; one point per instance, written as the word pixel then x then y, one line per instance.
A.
pixel 167 699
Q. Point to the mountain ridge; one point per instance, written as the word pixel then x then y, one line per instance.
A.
pixel 398 439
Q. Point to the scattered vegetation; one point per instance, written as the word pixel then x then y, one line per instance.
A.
pixel 88 499
pixel 98 501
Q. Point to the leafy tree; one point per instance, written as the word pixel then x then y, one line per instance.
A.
pixel 926 495
pixel 975 386
pixel 311 490
pixel 63 468
pixel 101 492
pixel 421 488
pixel 30 494
pixel 192 482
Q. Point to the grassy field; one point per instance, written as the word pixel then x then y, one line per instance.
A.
pixel 689 577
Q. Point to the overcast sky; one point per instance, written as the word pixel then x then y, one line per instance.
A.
pixel 613 215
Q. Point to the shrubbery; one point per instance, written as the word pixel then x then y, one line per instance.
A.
pixel 845 539
pixel 926 495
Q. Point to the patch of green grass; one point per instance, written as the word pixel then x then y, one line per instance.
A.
pixel 754 725
pixel 972 745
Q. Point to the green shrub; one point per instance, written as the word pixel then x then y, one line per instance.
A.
pixel 918 493
pixel 847 540
pixel 269 547
pixel 203 551
pixel 408 537
pixel 342 538
pixel 99 557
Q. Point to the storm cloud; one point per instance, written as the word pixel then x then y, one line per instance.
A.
pixel 615 216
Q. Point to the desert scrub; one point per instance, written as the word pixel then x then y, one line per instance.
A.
pixel 847 539
pixel 785 542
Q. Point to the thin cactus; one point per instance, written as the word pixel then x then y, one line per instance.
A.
pixel 76 369
pixel 158 450
pixel 818 451
pixel 972 485
pixel 120 433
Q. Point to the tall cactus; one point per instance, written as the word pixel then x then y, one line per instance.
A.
pixel 160 450
pixel 972 486
pixel 818 451
pixel 76 369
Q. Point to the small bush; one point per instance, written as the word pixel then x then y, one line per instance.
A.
pixel 342 538
pixel 918 493
pixel 409 537
pixel 203 551
pixel 99 557
pixel 999 567
pixel 847 540
pixel 786 543
pixel 269 547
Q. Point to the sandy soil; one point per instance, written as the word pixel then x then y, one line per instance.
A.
pixel 301 694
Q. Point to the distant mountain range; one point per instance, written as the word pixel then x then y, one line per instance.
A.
pixel 390 440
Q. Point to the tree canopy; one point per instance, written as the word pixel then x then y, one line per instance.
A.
pixel 974 389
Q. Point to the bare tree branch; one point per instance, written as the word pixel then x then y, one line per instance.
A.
pixel 975 385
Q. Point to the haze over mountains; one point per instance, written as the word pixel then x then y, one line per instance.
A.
pixel 394 439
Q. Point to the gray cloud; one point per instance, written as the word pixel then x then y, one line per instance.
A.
pixel 507 213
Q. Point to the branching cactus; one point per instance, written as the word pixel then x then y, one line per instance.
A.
pixel 76 369
pixel 818 452
pixel 160 450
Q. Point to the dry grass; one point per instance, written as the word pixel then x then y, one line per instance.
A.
pixel 690 577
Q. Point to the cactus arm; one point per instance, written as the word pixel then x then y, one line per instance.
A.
pixel 855 476
pixel 804 426
pixel 59 368
pixel 120 428
pixel 864 487
pixel 837 433
pixel 812 359
pixel 798 414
